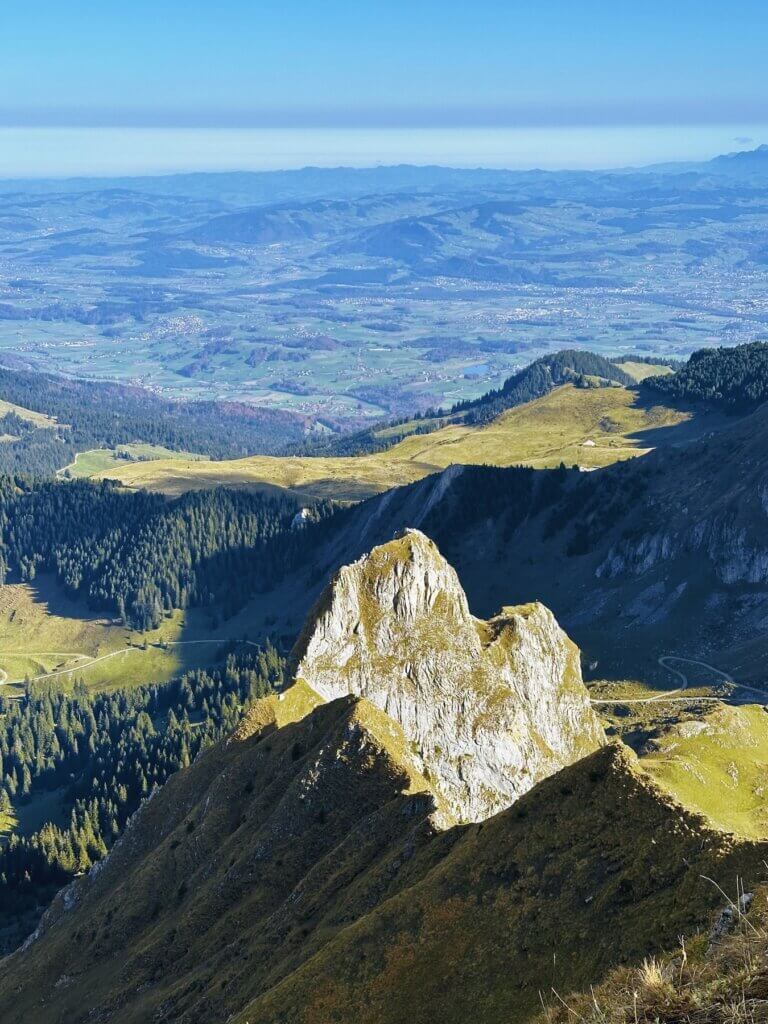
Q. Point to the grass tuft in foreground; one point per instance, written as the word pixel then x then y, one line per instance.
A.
pixel 719 977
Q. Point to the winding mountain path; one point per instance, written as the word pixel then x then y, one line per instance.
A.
pixel 670 695
pixel 86 662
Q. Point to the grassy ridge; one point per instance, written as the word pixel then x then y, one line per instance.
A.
pixel 712 757
pixel 198 915
pixel 542 434
pixel 718 766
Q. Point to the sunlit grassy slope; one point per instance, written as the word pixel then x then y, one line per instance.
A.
pixel 639 371
pixel 590 428
pixel 718 765
pixel 712 757
pixel 44 632
pixel 103 461
pixel 37 418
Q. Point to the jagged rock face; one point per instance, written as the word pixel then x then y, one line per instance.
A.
pixel 490 708
pixel 708 502
pixel 736 554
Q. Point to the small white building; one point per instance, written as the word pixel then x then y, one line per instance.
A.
pixel 300 519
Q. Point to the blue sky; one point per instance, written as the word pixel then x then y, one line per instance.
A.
pixel 402 68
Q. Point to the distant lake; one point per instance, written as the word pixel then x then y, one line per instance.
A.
pixel 477 371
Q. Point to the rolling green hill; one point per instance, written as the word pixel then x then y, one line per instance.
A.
pixel 588 427
pixel 541 377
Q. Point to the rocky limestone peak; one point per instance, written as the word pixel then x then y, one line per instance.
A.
pixel 489 708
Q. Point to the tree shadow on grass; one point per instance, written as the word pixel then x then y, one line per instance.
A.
pixel 701 421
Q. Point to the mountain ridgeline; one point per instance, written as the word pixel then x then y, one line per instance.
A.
pixel 539 378
pixel 308 869
pixel 734 379
pixel 139 556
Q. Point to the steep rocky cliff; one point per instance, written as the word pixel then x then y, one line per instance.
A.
pixel 664 554
pixel 305 870
pixel 490 707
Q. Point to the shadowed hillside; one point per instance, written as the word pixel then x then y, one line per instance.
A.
pixel 636 561
pixel 292 874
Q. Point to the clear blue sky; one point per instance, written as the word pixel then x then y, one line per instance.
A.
pixel 335 64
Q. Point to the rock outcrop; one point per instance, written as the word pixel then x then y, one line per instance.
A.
pixel 490 708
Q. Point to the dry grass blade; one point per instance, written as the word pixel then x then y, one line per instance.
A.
pixel 702 983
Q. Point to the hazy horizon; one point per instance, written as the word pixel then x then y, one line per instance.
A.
pixel 98 89
pixel 63 152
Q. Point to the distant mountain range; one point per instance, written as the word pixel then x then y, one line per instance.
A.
pixel 743 164
pixel 309 182
pixel 428 285
pixel 743 161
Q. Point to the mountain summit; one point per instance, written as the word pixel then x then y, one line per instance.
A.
pixel 293 876
pixel 296 873
pixel 489 707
